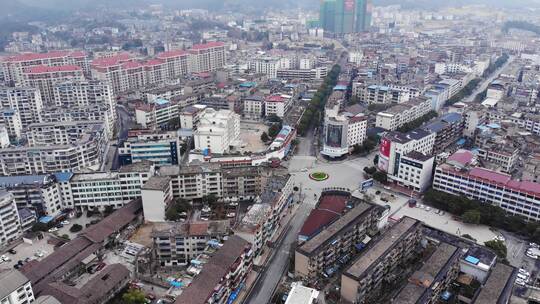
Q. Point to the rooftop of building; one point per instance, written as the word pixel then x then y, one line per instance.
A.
pixel 41 69
pixel 301 295
pixel 203 285
pixel 329 208
pixel 361 209
pixel 10 281
pixel 159 183
pixel 381 246
pixel 418 156
pixel 195 228
pixel 256 215
pixel 498 286
pixel 142 166
pixel 421 280
pixel 41 56
pixel 22 180
pixel 403 138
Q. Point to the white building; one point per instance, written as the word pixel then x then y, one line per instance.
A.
pixel 159 113
pixel 157 197
pixel 217 131
pixel 45 77
pixel 10 225
pixel 460 176
pixel 302 295
pixel 84 93
pixel 343 130
pixel 11 119
pixel 157 147
pixel 190 115
pixel 4 137
pixel 96 191
pixel 398 115
pixel 395 152
pixel 254 106
pixel 16 288
pixel 265 65
pixel 207 57
pixel 277 105
pixel 356 57
pixel 25 100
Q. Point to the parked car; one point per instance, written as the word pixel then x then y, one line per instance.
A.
pixel 53 229
pixel 5 258
pixel 12 251
pixel 65 222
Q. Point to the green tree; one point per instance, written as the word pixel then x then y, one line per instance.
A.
pixel 472 217
pixel 370 170
pixel 264 137
pixel 380 176
pixel 40 227
pixel 133 296
pixel 75 228
pixel 274 130
pixel 498 247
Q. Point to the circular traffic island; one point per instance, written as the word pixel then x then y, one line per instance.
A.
pixel 319 176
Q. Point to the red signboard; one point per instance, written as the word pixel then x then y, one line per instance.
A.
pixel 384 150
pixel 349 5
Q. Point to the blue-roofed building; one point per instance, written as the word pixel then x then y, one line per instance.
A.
pixel 449 129
pixel 39 193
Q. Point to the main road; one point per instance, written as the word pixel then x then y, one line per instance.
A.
pixel 485 83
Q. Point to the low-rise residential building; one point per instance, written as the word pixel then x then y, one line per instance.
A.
pixel 226 271
pixel 414 171
pixel 367 271
pixel 176 244
pixel 372 93
pixel 16 288
pixel 254 107
pixel 190 116
pixel 398 115
pixel 449 129
pixel 99 289
pixel 437 273
pixel 460 176
pixel 335 245
pixel 277 105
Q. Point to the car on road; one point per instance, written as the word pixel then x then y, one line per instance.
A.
pixel 231 214
pixel 12 251
pixel 5 258
pixel 53 229
pixel 520 282
pixel 65 222
pixel 39 254
pixel 428 209
pixel 534 245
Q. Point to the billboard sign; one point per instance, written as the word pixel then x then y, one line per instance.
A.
pixel 384 149
pixel 366 184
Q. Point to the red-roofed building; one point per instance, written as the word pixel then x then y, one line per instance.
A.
pixel 277 105
pixel 515 197
pixel 45 77
pixel 329 208
pixel 15 66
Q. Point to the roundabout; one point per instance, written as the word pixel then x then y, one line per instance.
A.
pixel 319 176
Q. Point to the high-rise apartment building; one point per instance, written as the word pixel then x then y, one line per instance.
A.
pixel 25 100
pixel 344 16
pixel 207 57
pixel 10 227
pixel 45 77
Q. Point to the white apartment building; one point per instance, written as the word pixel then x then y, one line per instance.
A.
pixel 451 68
pixel 398 115
pixel 356 57
pixel 96 191
pixel 16 288
pixel 10 226
pixel 11 119
pixel 176 62
pixel 265 65
pixel 207 57
pixel 415 170
pixel 383 94
pixel 40 193
pixel 395 147
pixel 83 94
pixel 53 149
pixel 111 71
pixel 156 197
pixel 254 106
pixel 156 114
pixel 45 77
pixel 14 67
pixel 217 131
pixel 277 105
pixel 342 130
pixel 306 75
pixel 459 176
pixel 190 115
pixel 26 101
pixel 4 136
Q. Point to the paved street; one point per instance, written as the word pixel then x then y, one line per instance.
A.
pixel 484 84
